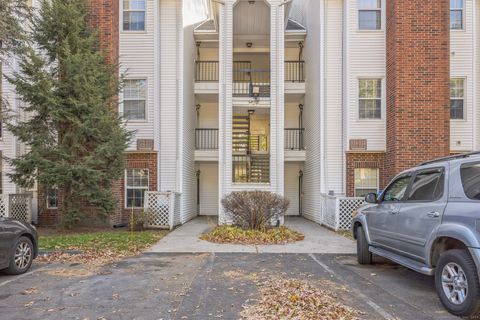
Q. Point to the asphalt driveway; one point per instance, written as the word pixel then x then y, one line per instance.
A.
pixel 210 286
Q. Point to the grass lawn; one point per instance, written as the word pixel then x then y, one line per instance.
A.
pixel 98 246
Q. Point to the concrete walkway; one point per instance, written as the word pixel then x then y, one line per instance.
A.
pixel 185 239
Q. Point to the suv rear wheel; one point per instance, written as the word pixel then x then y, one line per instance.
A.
pixel 456 281
pixel 363 255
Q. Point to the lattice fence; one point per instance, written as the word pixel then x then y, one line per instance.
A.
pixel 163 208
pixel 17 206
pixel 345 207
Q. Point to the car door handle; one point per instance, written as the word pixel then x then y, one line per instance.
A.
pixel 394 211
pixel 433 214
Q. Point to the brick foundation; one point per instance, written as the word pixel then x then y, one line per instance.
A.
pixel 418 74
pixel 370 160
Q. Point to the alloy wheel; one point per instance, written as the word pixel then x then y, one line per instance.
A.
pixel 454 283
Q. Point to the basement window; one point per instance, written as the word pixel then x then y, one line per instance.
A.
pixel 456 14
pixel 370 99
pixel 370 14
pixel 136 184
pixel 457 98
pixel 52 198
pixel 366 181
pixel 133 15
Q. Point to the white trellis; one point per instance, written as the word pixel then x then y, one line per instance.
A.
pixel 17 206
pixel 336 212
pixel 163 209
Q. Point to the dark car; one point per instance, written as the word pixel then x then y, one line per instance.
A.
pixel 18 245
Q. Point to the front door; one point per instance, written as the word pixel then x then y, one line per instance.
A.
pixel 382 217
pixel 421 212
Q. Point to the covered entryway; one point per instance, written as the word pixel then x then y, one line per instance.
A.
pixel 293 192
pixel 207 193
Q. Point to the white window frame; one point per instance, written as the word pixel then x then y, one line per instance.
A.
pixel 463 79
pixel 145 98
pixel 47 197
pixel 147 188
pixel 381 98
pixel 462 9
pixel 378 9
pixel 377 187
pixel 122 10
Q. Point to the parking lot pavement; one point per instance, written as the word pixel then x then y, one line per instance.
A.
pixel 210 286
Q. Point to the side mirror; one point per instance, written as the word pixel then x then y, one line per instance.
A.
pixel 371 198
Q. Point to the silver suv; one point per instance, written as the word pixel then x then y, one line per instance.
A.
pixel 428 220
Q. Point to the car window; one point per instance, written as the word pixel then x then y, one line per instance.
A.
pixel 396 191
pixel 470 173
pixel 427 186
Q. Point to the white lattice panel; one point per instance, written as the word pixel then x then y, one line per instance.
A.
pixel 176 210
pixel 3 207
pixel 20 207
pixel 158 206
pixel 345 208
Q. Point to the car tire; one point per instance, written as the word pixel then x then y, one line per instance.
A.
pixel 458 262
pixel 364 256
pixel 21 257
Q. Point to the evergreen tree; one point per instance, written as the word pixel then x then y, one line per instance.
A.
pixel 74 136
pixel 14 20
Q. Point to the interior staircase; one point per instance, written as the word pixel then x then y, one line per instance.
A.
pixel 240 133
pixel 260 168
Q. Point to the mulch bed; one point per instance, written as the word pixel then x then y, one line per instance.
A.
pixel 236 235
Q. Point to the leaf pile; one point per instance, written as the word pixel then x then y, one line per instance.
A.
pixel 296 299
pixel 96 248
pixel 237 235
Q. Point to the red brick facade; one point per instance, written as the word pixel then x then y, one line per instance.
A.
pixel 370 160
pixel 418 74
pixel 103 15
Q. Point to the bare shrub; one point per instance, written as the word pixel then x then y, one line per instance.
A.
pixel 256 210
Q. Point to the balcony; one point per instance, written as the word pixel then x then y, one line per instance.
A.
pixel 248 81
pixel 206 144
pixel 294 144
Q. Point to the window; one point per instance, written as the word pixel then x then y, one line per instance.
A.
pixel 470 174
pixel 52 198
pixel 133 15
pixel 370 98
pixel 136 184
pixel 457 94
pixel 134 95
pixel 427 186
pixel 366 181
pixel 370 14
pixel 396 191
pixel 456 14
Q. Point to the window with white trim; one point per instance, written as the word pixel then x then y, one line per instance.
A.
pixel 370 14
pixel 52 198
pixel 456 14
pixel 457 98
pixel 136 183
pixel 370 98
pixel 366 181
pixel 134 99
pixel 133 15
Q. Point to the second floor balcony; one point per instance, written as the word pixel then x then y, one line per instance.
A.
pixel 248 81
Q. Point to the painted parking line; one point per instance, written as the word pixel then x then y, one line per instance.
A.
pixel 359 294
pixel 15 278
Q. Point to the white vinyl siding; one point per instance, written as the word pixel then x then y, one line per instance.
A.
pixel 364 58
pixel 137 61
pixel 462 58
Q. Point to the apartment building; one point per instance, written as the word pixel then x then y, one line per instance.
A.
pixel 304 98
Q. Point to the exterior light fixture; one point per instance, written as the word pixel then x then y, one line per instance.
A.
pixel 249 44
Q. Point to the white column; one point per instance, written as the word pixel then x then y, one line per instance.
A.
pixel 225 102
